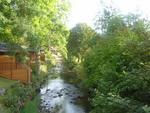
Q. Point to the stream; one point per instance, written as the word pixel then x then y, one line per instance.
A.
pixel 58 96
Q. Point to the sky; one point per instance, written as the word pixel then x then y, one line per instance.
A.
pixel 84 11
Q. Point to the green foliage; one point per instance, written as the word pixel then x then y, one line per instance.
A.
pixel 146 109
pixel 118 67
pixel 5 83
pixel 78 41
pixel 16 96
pixel 20 94
pixel 32 106
pixel 34 24
pixel 115 104
pixel 116 62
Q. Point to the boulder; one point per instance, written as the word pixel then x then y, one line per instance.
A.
pixel 2 91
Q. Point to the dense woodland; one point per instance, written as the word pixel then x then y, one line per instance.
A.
pixel 111 62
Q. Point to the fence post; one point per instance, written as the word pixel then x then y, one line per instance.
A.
pixel 16 65
pixel 28 75
pixel 11 71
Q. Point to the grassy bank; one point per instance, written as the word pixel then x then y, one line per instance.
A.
pixel 3 109
pixel 32 106
pixel 6 83
pixel 19 96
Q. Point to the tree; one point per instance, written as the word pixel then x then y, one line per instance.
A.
pixel 33 23
pixel 117 67
pixel 79 41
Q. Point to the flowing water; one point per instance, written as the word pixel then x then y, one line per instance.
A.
pixel 57 96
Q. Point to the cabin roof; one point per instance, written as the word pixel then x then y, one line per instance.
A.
pixel 5 47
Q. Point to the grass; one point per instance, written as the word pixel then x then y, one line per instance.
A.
pixel 6 83
pixel 3 109
pixel 32 106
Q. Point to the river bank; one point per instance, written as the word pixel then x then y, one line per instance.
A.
pixel 57 95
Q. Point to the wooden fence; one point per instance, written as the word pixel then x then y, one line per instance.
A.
pixel 15 71
pixel 7 58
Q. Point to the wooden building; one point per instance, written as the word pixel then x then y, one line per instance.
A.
pixel 9 66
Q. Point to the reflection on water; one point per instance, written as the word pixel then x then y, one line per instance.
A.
pixel 60 97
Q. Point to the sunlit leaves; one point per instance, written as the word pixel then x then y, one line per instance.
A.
pixel 32 23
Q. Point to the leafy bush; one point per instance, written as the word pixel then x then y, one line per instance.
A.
pixel 117 68
pixel 17 96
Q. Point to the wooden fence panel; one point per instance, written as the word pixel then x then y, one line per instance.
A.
pixel 6 74
pixel 6 58
pixel 15 71
pixel 20 74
